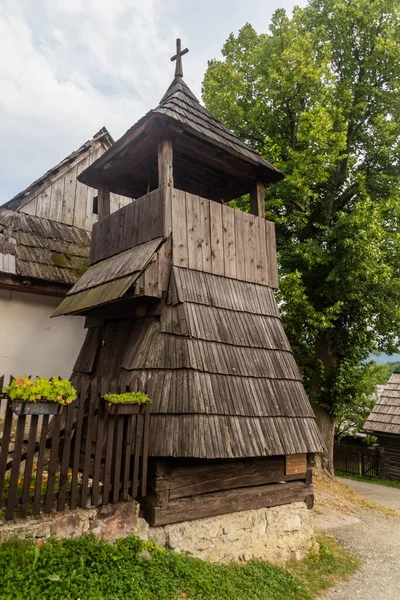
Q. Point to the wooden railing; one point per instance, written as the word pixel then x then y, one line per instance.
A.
pixel 82 457
pixel 356 460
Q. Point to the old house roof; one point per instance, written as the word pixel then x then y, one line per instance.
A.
pixel 385 416
pixel 18 201
pixel 40 249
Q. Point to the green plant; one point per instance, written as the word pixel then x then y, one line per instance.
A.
pixel 97 570
pixel 128 398
pixel 41 389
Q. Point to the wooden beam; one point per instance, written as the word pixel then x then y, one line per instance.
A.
pixel 257 199
pixel 28 285
pixel 165 164
pixel 227 501
pixel 103 201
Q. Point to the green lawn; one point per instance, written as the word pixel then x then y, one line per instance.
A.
pixel 387 482
pixel 90 570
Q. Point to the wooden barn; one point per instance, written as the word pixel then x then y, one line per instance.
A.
pixel 180 303
pixel 384 422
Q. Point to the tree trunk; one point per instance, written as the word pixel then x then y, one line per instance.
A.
pixel 326 425
pixel 325 356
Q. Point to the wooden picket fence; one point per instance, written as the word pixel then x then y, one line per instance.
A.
pixel 82 457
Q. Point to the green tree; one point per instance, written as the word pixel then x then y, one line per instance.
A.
pixel 351 416
pixel 319 97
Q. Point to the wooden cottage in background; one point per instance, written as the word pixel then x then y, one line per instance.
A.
pixel 180 303
pixel 384 422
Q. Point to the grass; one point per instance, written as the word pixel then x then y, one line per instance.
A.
pixel 90 570
pixel 387 482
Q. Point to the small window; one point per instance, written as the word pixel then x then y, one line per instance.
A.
pixel 95 205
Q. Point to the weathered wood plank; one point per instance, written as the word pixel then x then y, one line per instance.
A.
pixel 201 479
pixel 52 468
pixel 56 199
pixel 40 465
pixel 296 464
pixel 68 202
pixel 103 195
pixel 271 254
pixel 180 256
pixel 228 227
pixel 257 199
pixel 249 247
pixel 80 196
pixel 14 478
pixel 8 418
pixel 65 458
pixel 219 503
pixel 216 239
pixel 29 465
pixel 165 164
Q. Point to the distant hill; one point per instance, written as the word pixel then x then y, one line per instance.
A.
pixel 382 358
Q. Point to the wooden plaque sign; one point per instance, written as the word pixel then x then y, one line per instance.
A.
pixel 296 463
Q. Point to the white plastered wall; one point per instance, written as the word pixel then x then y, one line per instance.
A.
pixel 33 344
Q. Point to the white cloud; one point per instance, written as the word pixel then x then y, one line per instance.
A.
pixel 70 67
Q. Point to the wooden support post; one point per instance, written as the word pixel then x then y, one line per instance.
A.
pixel 165 164
pixel 103 201
pixel 257 199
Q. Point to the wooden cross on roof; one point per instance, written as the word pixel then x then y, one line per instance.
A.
pixel 178 58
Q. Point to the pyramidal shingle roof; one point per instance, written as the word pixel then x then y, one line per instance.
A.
pixel 179 103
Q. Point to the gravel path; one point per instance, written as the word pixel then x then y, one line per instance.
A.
pixel 381 494
pixel 375 539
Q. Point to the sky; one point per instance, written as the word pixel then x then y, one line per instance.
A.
pixel 69 67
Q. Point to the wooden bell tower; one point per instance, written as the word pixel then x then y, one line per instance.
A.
pixel 180 304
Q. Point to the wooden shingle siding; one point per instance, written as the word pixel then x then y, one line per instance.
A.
pixel 221 292
pixel 220 436
pixel 179 103
pixel 42 249
pixel 212 393
pixel 385 416
pixel 223 325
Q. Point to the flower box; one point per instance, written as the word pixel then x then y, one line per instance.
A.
pixel 127 403
pixel 22 407
pixel 122 409
pixel 39 396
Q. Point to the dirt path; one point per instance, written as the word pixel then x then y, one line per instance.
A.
pixel 381 494
pixel 372 536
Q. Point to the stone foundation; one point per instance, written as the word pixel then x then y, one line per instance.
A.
pixel 275 534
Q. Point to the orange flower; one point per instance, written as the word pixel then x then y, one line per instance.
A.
pixel 31 487
pixel 69 473
pixel 45 480
pixel 19 481
pixel 40 543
